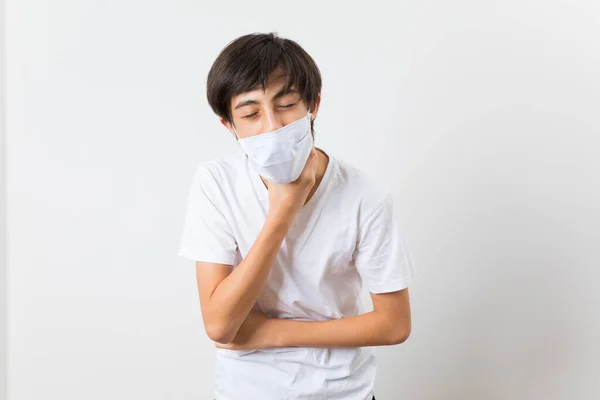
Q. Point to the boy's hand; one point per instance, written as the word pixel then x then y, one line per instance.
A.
pixel 289 198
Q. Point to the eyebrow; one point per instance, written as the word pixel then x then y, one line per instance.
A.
pixel 279 94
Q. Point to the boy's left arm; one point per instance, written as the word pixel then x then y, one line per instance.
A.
pixel 389 323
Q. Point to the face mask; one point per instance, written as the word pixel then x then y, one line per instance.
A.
pixel 279 156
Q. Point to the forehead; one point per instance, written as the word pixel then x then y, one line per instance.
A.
pixel 275 85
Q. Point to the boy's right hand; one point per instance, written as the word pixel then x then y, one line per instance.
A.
pixel 287 199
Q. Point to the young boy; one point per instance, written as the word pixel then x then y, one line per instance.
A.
pixel 284 236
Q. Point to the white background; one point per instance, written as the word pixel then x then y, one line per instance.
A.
pixel 483 117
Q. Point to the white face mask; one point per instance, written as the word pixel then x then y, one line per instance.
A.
pixel 279 156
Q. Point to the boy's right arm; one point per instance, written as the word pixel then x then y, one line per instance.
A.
pixel 226 296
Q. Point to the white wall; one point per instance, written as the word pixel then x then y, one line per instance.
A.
pixel 481 115
pixel 3 241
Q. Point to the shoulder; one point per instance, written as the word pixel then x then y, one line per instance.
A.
pixel 366 190
pixel 219 171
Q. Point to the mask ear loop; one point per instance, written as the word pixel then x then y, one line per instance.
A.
pixel 310 120
pixel 236 135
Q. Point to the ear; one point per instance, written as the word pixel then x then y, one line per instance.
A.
pixel 229 127
pixel 315 110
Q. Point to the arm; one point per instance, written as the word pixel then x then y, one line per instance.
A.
pixel 388 324
pixel 226 296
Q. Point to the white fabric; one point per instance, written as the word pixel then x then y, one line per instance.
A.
pixel 347 234
pixel 279 156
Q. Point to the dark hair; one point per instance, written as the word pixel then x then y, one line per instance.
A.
pixel 246 64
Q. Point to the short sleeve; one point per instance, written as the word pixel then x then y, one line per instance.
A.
pixel 206 235
pixel 382 256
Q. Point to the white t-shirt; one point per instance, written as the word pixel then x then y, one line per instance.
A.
pixel 348 233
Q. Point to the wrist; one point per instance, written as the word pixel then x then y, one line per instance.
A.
pixel 277 332
pixel 281 217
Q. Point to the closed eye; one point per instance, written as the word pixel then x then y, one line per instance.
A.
pixel 250 116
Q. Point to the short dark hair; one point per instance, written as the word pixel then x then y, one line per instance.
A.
pixel 246 64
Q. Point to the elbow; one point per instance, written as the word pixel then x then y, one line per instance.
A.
pixel 399 335
pixel 219 333
pixel 219 330
pixel 217 327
